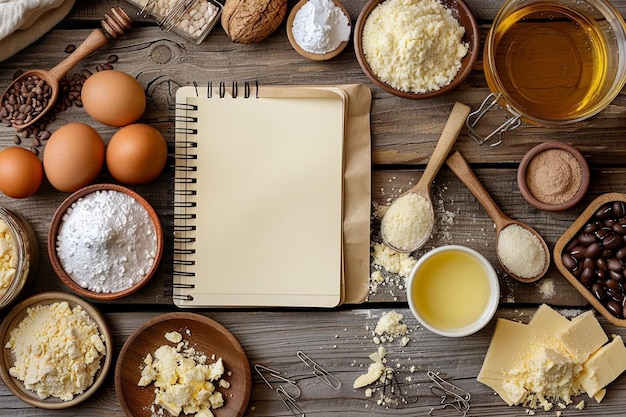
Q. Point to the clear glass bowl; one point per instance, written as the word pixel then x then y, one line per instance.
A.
pixel 27 253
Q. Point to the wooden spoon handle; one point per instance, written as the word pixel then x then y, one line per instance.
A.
pixel 458 164
pixel 96 40
pixel 450 133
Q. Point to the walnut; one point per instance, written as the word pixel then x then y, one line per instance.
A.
pixel 249 21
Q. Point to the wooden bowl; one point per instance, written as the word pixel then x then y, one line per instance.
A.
pixel 472 37
pixel 14 318
pixel 562 244
pixel 202 333
pixel 298 48
pixel 54 230
pixel 523 167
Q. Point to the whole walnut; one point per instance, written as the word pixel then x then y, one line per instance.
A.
pixel 250 21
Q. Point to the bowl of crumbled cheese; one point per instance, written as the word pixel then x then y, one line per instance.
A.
pixel 182 363
pixel 105 241
pixel 56 350
pixel 416 49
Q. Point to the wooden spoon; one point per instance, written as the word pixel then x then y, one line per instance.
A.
pixel 113 25
pixel 449 135
pixel 461 168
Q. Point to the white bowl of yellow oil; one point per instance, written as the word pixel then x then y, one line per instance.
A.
pixel 453 291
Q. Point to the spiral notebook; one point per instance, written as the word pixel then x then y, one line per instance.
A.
pixel 259 196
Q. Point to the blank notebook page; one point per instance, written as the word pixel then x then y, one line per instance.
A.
pixel 269 201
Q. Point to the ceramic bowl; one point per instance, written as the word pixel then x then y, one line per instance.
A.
pixel 299 49
pixel 472 37
pixel 453 291
pixel 15 317
pixel 204 335
pixel 566 243
pixel 523 169
pixel 57 265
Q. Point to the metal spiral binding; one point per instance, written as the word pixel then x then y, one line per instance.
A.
pixel 184 183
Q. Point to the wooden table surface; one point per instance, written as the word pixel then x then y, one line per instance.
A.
pixel 404 133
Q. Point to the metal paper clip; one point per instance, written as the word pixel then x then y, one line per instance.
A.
pixel 325 376
pixel 287 398
pixel 450 395
pixel 474 117
pixel 392 393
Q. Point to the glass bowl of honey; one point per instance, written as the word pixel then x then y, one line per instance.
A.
pixel 555 62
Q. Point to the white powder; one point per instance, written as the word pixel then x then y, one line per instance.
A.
pixel 407 222
pixel 521 252
pixel 106 241
pixel 413 45
pixel 320 26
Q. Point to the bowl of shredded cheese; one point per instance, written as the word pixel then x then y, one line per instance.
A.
pixel 182 364
pixel 105 241
pixel 56 350
pixel 416 49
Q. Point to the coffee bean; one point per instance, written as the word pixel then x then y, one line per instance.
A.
pixel 17 140
pixel 621 253
pixel 605 211
pixel 599 291
pixel 593 250
pixel 619 209
pixel 70 48
pixel 612 241
pixel 615 264
pixel 587 238
pixel 578 252
pixel 569 261
pixel 588 276
pixel 112 59
pixel 614 308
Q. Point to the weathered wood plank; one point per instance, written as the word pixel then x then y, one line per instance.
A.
pixel 341 342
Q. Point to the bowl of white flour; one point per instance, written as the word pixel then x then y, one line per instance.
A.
pixel 105 241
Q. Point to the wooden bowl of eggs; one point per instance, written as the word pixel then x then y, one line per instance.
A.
pixel 105 241
pixel 394 46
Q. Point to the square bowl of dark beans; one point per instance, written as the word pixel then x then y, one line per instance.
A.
pixel 591 254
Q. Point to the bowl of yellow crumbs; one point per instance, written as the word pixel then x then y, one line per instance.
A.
pixel 416 49
pixel 56 350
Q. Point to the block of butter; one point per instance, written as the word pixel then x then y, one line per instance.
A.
pixel 551 359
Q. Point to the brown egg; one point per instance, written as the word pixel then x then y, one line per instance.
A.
pixel 21 172
pixel 136 154
pixel 113 98
pixel 73 157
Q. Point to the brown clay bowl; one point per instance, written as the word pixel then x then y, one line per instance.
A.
pixel 564 241
pixel 15 317
pixel 298 48
pixel 54 230
pixel 472 37
pixel 523 167
pixel 203 334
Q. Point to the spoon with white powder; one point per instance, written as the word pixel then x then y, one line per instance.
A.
pixel 408 222
pixel 521 251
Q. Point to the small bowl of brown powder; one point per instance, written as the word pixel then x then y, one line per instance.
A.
pixel 553 176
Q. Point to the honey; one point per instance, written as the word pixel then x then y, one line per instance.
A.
pixel 451 290
pixel 551 60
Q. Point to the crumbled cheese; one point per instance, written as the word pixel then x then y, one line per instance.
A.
pixel 413 45
pixel 551 359
pixel 395 262
pixel 8 257
pixel 57 349
pixel 183 380
pixel 374 371
pixel 391 324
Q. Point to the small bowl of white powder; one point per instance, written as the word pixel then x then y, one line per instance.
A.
pixel 57 350
pixel 105 241
pixel 416 49
pixel 319 29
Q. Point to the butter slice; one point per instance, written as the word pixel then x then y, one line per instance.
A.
pixel 603 366
pixel 583 336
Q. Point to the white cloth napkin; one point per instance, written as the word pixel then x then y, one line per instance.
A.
pixel 21 14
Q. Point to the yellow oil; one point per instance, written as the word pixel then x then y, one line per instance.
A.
pixel 551 60
pixel 451 290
